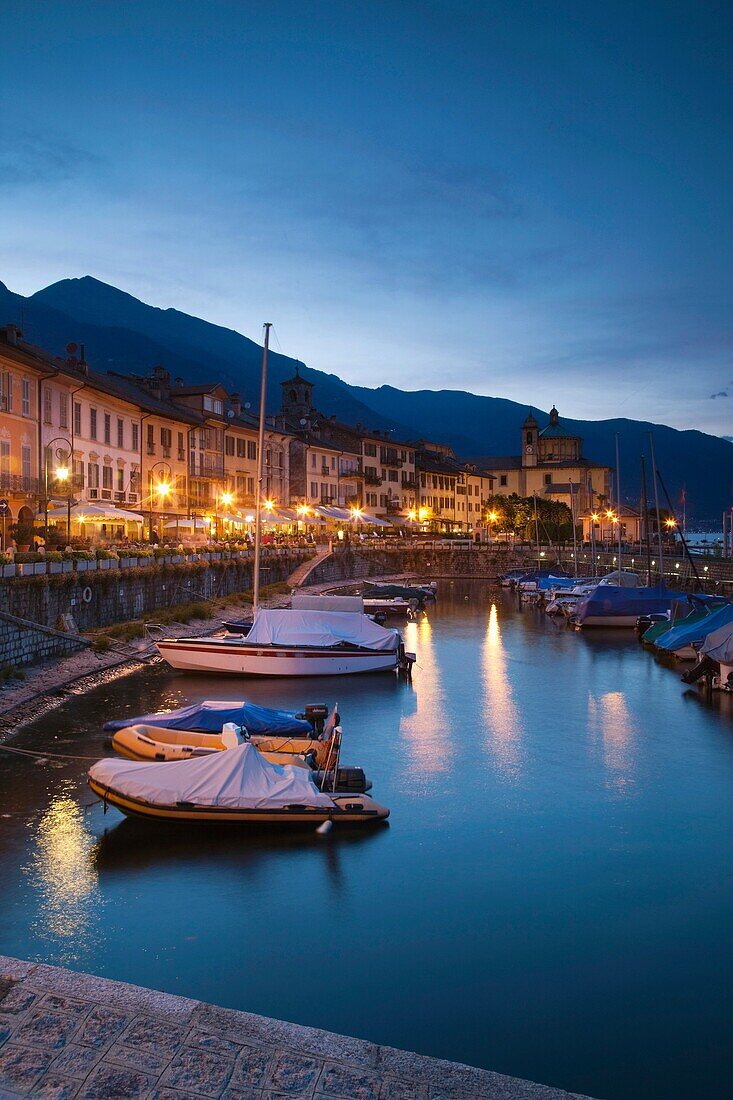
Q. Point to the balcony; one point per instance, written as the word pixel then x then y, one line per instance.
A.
pixel 16 483
pixel 325 470
pixel 409 483
pixel 373 479
pixel 393 507
pixel 206 467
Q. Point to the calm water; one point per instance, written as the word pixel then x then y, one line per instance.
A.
pixel 552 898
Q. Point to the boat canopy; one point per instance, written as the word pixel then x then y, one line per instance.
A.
pixel 210 715
pixel 621 578
pixel 614 601
pixel 323 629
pixel 238 778
pixel 695 628
pixel 301 601
pixel 718 645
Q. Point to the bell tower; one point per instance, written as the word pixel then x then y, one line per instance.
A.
pixel 297 398
pixel 530 438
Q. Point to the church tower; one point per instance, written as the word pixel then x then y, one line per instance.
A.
pixel 297 398
pixel 530 437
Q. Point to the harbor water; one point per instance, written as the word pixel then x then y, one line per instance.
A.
pixel 552 896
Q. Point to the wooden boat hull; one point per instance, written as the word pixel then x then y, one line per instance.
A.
pixel 238 659
pixel 348 809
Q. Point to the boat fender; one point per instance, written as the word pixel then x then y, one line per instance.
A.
pixel 87 594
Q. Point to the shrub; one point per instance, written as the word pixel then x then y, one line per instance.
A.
pixel 101 643
pixel 107 555
pixel 54 555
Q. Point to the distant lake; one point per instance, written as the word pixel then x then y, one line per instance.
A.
pixel 552 897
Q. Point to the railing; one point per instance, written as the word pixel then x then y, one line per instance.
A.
pixel 373 479
pixel 16 483
pixel 408 483
pixel 205 469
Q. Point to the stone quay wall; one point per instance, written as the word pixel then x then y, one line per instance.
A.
pixel 476 560
pixel 99 599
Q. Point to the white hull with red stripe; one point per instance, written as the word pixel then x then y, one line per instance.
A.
pixel 237 657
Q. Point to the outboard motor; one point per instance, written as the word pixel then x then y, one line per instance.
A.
pixel 316 714
pixel 348 780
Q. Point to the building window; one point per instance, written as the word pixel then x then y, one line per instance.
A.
pixel 47 406
pixel 92 423
pixel 250 486
pixel 120 481
pixel 106 477
pixel 4 456
pixel 151 439
pixel 77 418
pixel 26 397
pixel 502 479
pixel 212 404
pixel 548 479
pixel 392 475
pixel 93 475
pixel 107 428
pixel 166 439
pixel 6 392
pixel 63 410
pixel 370 450
pixel 314 488
pixel 25 462
pixel 229 446
pixel 135 437
pixel 314 460
pixel 120 432
pixel 252 450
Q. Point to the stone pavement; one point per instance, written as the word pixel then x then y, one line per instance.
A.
pixel 65 1035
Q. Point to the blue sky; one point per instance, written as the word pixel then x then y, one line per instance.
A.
pixel 528 200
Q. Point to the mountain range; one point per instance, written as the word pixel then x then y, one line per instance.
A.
pixel 123 334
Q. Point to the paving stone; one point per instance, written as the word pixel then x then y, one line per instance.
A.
pixel 76 1061
pixel 248 1094
pixel 251 1067
pixel 17 969
pixel 212 1042
pixel 20 1067
pixel 5 1032
pixel 114 1081
pixel 47 1029
pixel 341 1081
pixel 55 1086
pixel 17 999
pixel 196 1069
pixel 394 1089
pixel 294 1074
pixel 147 1044
pixel 55 1002
pixel 102 1026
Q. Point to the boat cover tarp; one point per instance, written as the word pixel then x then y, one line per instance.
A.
pixel 301 601
pixel 613 601
pixel 210 715
pixel 407 591
pixel 322 629
pixel 621 579
pixel 695 628
pixel 718 645
pixel 238 778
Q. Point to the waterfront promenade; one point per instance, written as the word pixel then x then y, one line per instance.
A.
pixel 66 1035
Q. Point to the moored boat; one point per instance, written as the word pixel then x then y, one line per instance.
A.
pixel 210 715
pixel 236 786
pixel 293 642
pixel 617 606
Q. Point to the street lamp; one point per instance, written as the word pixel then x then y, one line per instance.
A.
pixel 159 486
pixel 62 474
pixel 493 517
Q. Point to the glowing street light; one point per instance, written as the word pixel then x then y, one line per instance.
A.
pixel 61 473
pixel 269 505
pixel 670 523
pixel 227 499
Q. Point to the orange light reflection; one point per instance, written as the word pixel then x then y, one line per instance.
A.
pixel 502 722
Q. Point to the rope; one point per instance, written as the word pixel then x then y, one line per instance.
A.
pixel 44 755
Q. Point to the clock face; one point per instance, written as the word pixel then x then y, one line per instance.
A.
pixel 529 448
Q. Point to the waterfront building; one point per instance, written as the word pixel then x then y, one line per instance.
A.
pixel 452 494
pixel 21 370
pixel 601 524
pixel 551 464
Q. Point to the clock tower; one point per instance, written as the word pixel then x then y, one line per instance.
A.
pixel 530 438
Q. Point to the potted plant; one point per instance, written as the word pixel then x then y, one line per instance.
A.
pixel 23 533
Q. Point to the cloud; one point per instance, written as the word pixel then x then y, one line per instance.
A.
pixel 720 393
pixel 29 158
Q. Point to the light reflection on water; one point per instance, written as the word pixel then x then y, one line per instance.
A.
pixel 62 873
pixel 426 733
pixel 610 723
pixel 503 724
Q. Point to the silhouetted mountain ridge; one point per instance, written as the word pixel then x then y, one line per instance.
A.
pixel 124 334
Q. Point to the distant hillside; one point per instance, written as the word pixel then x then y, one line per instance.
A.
pixel 122 333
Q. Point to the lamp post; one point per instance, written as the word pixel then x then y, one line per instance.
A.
pixel 226 499
pixel 161 488
pixel 412 517
pixel 493 517
pixel 62 474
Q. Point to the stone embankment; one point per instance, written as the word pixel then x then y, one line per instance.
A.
pixel 67 1035
pixel 103 598
pixel 478 561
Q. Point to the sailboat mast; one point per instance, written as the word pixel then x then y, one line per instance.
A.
pixel 618 501
pixel 260 470
pixel 537 535
pixel 656 507
pixel 645 513
pixel 575 533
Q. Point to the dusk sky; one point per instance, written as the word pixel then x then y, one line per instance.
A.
pixel 527 200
